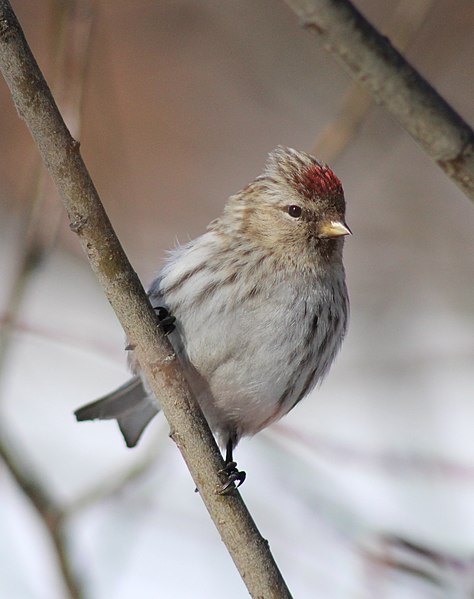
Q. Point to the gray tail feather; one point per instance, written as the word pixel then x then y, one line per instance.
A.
pixel 130 405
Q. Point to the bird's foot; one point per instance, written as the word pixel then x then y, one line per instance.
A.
pixel 233 476
pixel 166 320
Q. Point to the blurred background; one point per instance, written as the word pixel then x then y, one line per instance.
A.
pixel 366 490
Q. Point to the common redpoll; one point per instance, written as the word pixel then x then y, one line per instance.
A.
pixel 256 308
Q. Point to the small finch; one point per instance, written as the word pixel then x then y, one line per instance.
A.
pixel 256 308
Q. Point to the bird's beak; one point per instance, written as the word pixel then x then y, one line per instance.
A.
pixel 334 228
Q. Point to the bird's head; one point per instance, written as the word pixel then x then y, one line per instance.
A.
pixel 296 207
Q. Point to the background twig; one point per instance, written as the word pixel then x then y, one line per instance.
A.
pixel 370 58
pixel 47 508
pixel 401 27
pixel 71 37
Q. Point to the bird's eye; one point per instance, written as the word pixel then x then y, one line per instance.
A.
pixel 294 211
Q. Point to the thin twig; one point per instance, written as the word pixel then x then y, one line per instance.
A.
pixel 401 27
pixel 370 58
pixel 88 219
pixel 95 345
pixel 116 483
pixel 394 462
pixel 36 245
pixel 47 508
pixel 37 240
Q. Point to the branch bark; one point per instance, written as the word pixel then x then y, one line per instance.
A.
pixel 370 58
pixel 401 26
pixel 189 429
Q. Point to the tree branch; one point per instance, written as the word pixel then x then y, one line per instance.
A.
pixel 189 429
pixel 69 41
pixel 51 514
pixel 401 27
pixel 370 58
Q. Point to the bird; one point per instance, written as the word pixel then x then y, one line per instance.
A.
pixel 256 308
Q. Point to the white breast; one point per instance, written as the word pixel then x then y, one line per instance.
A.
pixel 252 351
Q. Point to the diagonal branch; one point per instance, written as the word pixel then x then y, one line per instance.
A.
pixel 189 429
pixel 401 27
pixel 370 58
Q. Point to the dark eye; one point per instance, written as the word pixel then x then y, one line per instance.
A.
pixel 294 211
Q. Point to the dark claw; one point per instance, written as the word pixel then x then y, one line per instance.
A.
pixel 166 320
pixel 233 475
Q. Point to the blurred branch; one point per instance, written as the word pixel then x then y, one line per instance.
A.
pixel 401 27
pixel 189 429
pixel 49 511
pixel 71 43
pixel 370 58
pixel 389 552
pixel 116 483
pixel 77 340
pixel 395 463
pixel 71 37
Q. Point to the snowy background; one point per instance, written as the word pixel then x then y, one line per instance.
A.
pixel 366 490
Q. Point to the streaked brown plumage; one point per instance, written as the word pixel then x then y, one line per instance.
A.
pixel 260 303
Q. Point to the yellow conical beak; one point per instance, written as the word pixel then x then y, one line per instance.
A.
pixel 334 228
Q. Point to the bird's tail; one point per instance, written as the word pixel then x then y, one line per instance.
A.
pixel 130 405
